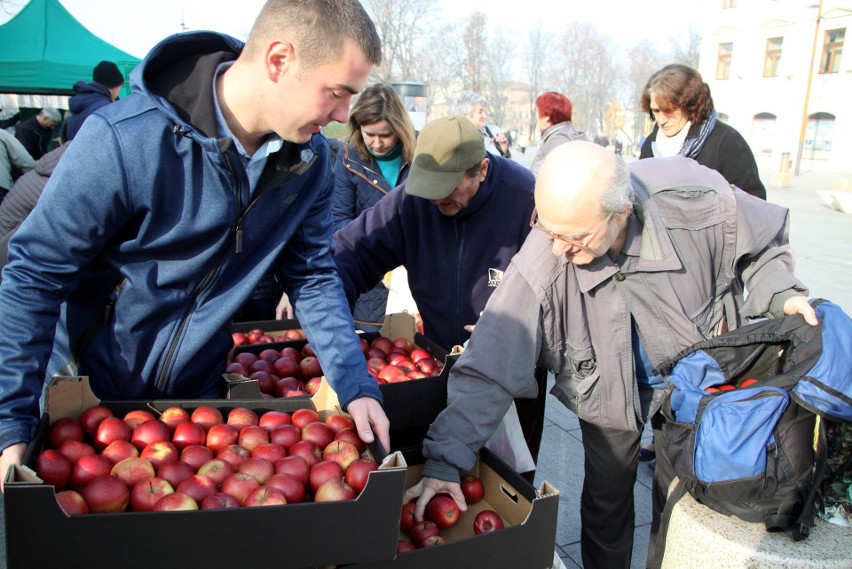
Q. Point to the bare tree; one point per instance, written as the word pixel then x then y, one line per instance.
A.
pixel 498 75
pixel 644 61
pixel 535 57
pixel 686 48
pixel 402 27
pixel 475 39
pixel 442 65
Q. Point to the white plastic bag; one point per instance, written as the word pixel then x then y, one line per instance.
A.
pixel 509 444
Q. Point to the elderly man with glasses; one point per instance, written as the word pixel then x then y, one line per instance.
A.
pixel 627 268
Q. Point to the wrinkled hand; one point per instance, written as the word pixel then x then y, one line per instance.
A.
pixel 426 489
pixel 370 420
pixel 284 310
pixel 10 457
pixel 800 305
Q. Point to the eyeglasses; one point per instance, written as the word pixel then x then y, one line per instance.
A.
pixel 586 236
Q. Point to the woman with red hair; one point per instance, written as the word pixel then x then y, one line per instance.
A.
pixel 553 111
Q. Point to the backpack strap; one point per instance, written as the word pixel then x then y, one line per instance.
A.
pixel 665 516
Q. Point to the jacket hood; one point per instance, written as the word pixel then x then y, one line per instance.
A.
pixel 87 94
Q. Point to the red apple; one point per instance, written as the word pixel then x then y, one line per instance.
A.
pixel 217 470
pixel 284 385
pixel 64 429
pixel 75 449
pixel 176 501
pixel 119 450
pixel 334 490
pixel 351 436
pixel 443 510
pixel 92 416
pixel 132 470
pixel 150 432
pixel 307 450
pixel 285 366
pixel 421 530
pixel 106 495
pixel 240 486
pixel 245 359
pixel 341 452
pixel 294 491
pixel 260 365
pixel 269 451
pixel 219 501
pixel 137 416
pixel 88 468
pixel 221 436
pixel 265 496
pixel 310 367
pixel 308 350
pixel 472 488
pixel 196 455
pixel 322 471
pixel 318 433
pixel 382 343
pixel 239 339
pixel 487 521
pixel 392 374
pixel 358 472
pixel 260 468
pixel 419 354
pixel 415 374
pixel 174 416
pixel 175 472
pixel 405 344
pixel 431 540
pixel 109 430
pixel 187 433
pixel 429 367
pixel 54 468
pixel 285 435
pixel 271 420
pixel 400 360
pixel 198 487
pixel 377 354
pixel 72 502
pixel 236 367
pixel 313 385
pixel 265 381
pixel 406 518
pixel 294 334
pixel 145 494
pixel 340 422
pixel 241 417
pixel 301 417
pixel 403 545
pixel 159 452
pixel 291 352
pixel 251 436
pixel 295 467
pixel 206 416
pixel 254 335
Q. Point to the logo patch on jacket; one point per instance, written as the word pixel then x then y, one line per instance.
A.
pixel 494 277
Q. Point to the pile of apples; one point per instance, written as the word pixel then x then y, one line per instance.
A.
pixel 730 387
pixel 182 460
pixel 259 336
pixel 441 513
pixel 290 372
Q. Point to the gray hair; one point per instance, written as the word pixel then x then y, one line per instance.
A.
pixel 466 103
pixel 619 189
pixel 52 114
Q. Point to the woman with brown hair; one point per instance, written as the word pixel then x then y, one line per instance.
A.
pixel 679 102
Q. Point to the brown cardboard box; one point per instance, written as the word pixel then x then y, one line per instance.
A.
pixel 40 535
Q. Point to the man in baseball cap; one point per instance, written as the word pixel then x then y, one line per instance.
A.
pixel 454 224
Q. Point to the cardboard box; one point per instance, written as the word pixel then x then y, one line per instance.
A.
pixel 527 541
pixel 40 535
pixel 271 327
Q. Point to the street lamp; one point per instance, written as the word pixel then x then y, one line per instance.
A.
pixel 804 128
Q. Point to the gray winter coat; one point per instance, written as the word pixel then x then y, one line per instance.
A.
pixel 552 137
pixel 692 241
pixel 12 153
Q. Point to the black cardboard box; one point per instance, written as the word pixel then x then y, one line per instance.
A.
pixel 527 542
pixel 40 535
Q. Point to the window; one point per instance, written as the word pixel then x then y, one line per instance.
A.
pixel 773 57
pixel 818 136
pixel 832 49
pixel 763 133
pixel 723 65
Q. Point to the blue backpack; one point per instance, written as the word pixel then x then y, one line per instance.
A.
pixel 743 410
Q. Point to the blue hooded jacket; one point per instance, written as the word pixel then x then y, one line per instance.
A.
pixel 148 231
pixel 87 98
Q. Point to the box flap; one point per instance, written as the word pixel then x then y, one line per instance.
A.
pixel 399 325
pixel 68 396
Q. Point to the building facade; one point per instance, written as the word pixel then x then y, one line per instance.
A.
pixel 778 75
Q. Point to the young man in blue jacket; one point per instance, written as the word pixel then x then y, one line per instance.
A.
pixel 173 203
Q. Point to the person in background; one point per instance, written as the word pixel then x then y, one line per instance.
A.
pixel 13 158
pixel 622 272
pixel 35 133
pixel 221 175
pixel 553 112
pixel 473 105
pixel 102 90
pixel 680 104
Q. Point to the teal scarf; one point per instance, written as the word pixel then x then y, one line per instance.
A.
pixel 390 164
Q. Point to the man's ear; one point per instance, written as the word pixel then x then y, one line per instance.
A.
pixel 280 59
pixel 483 169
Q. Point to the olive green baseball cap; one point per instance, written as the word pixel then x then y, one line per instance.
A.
pixel 446 148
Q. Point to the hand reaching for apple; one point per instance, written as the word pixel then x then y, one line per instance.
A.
pixel 427 488
pixel 9 457
pixel 370 420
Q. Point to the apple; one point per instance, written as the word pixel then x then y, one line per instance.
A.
pixel 221 436
pixel 174 416
pixel 416 374
pixel 260 468
pixel 431 540
pixel 400 360
pixel 196 455
pixel 240 417
pixel 295 467
pixel 291 352
pixel 206 416
pixel 285 435
pixel 145 494
pixel 375 353
pixel 472 488
pixel 322 471
pixel 75 449
pixel 53 468
pixel 308 350
pixel 150 432
pixel 294 334
pixel 313 385
pixel 265 496
pixel 392 374
pixel 405 344
pixel 382 343
pixel 265 381
pixel 271 420
pixel 176 501
pixel 187 433
pixel 310 367
pixel 487 521
pixel 88 468
pixel 159 452
pixel 351 436
pixel 219 501
pixel 284 385
pixel 309 451
pixel 341 452
pixel 198 486
pixel 406 518
pixel 64 429
pixel 269 354
pixel 239 339
pixel 72 502
pixel 419 354
pixel 296 393
pixel 285 366
pixel 443 510
pixel 403 546
pixel 137 416
pixel 106 495
pixel 260 365
pixel 340 422
pixel 294 491
pixel 235 454
pixel 301 417
pixel 334 490
pixel 245 359
pixel 92 416
pixel 236 367
pixel 358 472
pixel 119 450
pixel 317 433
pixel 429 367
pixel 240 486
pixel 109 430
pixel 252 436
pixel 421 530
pixel 216 470
pixel 269 451
pixel 175 472
pixel 132 470
pixel 254 335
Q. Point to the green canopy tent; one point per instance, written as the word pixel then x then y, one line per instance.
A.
pixel 46 50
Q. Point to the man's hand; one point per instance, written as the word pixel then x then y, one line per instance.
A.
pixel 370 420
pixel 800 305
pixel 426 489
pixel 502 142
pixel 10 457
pixel 284 310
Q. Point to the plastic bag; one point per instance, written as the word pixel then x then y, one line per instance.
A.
pixel 509 444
